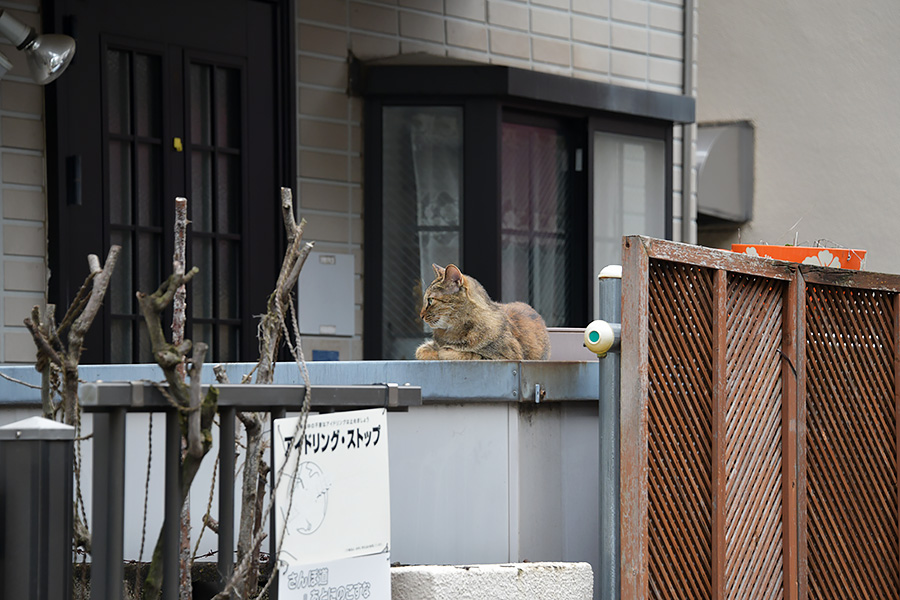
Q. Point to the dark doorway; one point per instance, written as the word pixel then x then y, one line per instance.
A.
pixel 167 99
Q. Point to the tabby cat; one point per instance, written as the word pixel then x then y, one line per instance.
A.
pixel 468 325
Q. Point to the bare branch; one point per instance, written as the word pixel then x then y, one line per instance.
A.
pixel 41 342
pixel 93 264
pixel 301 260
pixel 78 303
pixel 100 283
pixel 287 215
pixel 195 442
pixel 19 381
pixel 179 304
pixel 211 523
pixel 221 375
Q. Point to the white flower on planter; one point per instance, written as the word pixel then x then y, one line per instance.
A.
pixel 824 259
pixel 751 251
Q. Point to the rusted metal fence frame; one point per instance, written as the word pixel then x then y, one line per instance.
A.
pixel 853 280
pixel 638 252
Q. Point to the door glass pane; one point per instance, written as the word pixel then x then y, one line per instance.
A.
pixel 202 284
pixel 228 116
pixel 145 346
pixel 201 199
pixel 216 173
pixel 629 195
pixel 228 343
pixel 227 281
pixel 149 275
pixel 203 332
pixel 118 89
pixel 201 95
pixel 228 182
pixel 149 179
pixel 121 291
pixel 134 171
pixel 147 100
pixel 422 192
pixel 120 182
pixel 121 340
pixel 536 220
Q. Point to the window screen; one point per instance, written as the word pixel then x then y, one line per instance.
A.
pixel 422 214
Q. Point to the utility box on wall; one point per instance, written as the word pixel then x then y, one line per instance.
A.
pixel 325 295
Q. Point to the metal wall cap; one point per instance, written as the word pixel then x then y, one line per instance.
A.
pixel 37 428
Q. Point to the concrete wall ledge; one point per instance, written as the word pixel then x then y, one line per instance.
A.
pixel 519 581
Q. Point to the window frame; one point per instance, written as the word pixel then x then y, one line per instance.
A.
pixel 489 95
pixel 649 130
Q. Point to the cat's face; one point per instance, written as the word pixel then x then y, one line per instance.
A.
pixel 444 297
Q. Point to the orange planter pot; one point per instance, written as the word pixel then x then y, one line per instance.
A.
pixel 839 258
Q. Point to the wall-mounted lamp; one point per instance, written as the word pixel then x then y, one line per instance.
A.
pixel 48 55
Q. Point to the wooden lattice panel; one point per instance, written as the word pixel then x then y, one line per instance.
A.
pixel 679 430
pixel 851 451
pixel 752 418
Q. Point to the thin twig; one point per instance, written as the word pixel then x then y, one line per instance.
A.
pixel 20 382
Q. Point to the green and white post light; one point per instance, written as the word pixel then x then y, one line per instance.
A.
pixel 601 337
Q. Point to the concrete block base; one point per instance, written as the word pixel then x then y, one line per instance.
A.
pixel 520 581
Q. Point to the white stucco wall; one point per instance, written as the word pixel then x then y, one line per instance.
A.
pixel 820 82
pixel 522 581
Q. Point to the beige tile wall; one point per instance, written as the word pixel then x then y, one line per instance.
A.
pixel 23 269
pixel 635 43
pixel 626 42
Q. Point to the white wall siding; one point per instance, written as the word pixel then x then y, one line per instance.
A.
pixel 23 235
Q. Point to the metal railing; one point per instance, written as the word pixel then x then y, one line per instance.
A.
pixel 110 402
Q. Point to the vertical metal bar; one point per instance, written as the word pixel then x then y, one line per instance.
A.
pixel 226 495
pixel 800 365
pixel 56 506
pixel 172 521
pixel 108 503
pixel 610 297
pixel 100 508
pixel 278 413
pixel 633 424
pixel 719 441
pixel 789 349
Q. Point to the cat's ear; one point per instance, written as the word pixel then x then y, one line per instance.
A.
pixel 453 275
pixel 438 271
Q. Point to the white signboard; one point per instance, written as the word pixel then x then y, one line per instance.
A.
pixel 341 503
pixel 357 578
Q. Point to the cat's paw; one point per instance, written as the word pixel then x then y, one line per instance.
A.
pixel 427 351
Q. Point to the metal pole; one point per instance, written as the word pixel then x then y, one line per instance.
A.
pixel 226 495
pixel 172 521
pixel 107 571
pixel 610 311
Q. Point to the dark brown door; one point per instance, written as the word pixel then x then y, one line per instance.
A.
pixel 168 99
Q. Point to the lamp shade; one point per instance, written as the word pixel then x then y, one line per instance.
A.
pixel 48 56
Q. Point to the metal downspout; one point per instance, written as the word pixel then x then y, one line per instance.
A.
pixel 688 201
